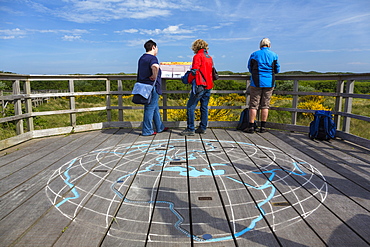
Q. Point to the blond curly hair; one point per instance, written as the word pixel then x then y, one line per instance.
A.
pixel 198 45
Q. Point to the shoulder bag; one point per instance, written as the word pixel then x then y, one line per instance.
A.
pixel 142 93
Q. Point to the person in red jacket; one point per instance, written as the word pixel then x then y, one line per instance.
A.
pixel 202 72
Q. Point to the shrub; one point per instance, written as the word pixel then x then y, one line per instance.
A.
pixel 312 102
pixel 288 86
pixel 3 86
pixel 213 114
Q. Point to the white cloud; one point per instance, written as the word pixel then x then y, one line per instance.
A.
pixel 21 33
pixel 136 42
pixel 93 11
pixel 322 50
pixel 71 38
pixel 7 37
pixel 132 30
pixel 352 19
pixel 222 25
pixel 232 39
pixel 169 30
pixel 10 10
pixel 358 63
pixel 173 31
pixel 14 31
pixel 38 7
pixel 341 50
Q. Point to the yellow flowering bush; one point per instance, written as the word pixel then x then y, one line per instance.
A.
pixel 177 114
pixel 213 114
pixel 312 102
pixel 276 98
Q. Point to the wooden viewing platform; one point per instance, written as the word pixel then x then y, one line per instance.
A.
pixel 114 187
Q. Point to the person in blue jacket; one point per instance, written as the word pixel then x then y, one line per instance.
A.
pixel 263 65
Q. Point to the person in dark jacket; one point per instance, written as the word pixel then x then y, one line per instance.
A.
pixel 263 65
pixel 202 73
pixel 150 72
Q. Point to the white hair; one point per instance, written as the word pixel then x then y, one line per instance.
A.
pixel 265 42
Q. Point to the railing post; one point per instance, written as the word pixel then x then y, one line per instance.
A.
pixel 27 90
pixel 247 93
pixel 18 107
pixel 72 103
pixel 295 102
pixel 2 103
pixel 120 101
pixel 338 102
pixel 108 101
pixel 348 106
pixel 164 99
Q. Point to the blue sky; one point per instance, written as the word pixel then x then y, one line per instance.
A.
pixel 107 36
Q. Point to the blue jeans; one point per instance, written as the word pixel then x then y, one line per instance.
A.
pixel 152 114
pixel 203 97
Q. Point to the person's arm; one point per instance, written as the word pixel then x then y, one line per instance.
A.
pixel 276 66
pixel 196 62
pixel 249 64
pixel 155 69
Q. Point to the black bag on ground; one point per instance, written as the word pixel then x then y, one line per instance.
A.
pixel 244 120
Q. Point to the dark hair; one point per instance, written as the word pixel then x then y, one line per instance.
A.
pixel 149 45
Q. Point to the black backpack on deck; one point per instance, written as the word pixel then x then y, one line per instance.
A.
pixel 244 120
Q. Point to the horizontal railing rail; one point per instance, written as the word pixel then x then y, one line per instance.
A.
pixel 24 96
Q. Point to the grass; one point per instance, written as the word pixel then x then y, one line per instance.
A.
pixel 358 127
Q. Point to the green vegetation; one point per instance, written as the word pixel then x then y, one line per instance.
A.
pixel 358 127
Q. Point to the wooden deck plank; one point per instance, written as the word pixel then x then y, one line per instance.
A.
pixel 285 207
pixel 346 158
pixel 356 183
pixel 17 225
pixel 25 148
pixel 115 207
pixel 241 198
pixel 348 166
pixel 244 164
pixel 209 220
pixel 170 224
pixel 22 185
pixel 39 161
pixel 37 209
pixel 335 215
pixel 94 217
pixel 351 149
pixel 122 226
pixel 23 159
pixel 22 189
pixel 135 212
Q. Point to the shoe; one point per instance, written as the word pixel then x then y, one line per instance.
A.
pixel 165 129
pixel 200 131
pixel 187 132
pixel 249 130
pixel 153 134
pixel 263 130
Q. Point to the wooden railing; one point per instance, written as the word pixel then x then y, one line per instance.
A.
pixel 25 96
